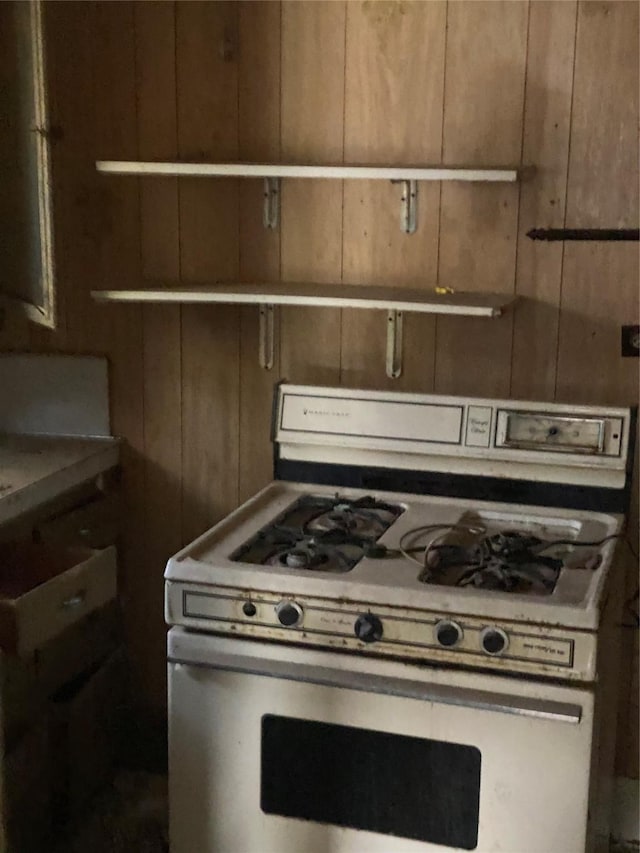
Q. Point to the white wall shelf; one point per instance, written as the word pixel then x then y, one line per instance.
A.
pixel 321 295
pixel 272 173
pixel 274 170
pixel 394 300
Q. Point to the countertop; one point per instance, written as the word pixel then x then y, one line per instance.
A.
pixel 35 469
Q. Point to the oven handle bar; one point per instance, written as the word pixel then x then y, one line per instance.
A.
pixel 483 700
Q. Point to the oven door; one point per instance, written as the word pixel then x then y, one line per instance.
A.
pixel 281 750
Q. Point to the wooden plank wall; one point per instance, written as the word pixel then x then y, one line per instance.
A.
pixel 553 84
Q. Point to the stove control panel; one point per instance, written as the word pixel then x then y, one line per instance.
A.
pixel 386 630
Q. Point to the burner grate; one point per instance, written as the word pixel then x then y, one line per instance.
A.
pixel 320 534
pixel 507 561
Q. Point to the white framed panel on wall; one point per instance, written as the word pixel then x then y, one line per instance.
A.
pixel 27 275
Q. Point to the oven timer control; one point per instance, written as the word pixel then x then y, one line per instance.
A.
pixel 289 613
pixel 448 633
pixel 494 641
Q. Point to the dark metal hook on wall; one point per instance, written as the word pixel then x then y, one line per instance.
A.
pixel 552 234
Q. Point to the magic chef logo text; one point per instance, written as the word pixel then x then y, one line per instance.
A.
pixel 326 412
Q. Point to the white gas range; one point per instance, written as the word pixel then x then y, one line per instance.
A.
pixel 414 548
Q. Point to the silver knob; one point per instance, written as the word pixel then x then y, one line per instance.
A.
pixel 289 613
pixel 448 633
pixel 494 641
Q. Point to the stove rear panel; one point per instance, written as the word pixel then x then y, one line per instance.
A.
pixel 582 446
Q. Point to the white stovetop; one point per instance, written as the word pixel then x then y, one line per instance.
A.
pixel 393 581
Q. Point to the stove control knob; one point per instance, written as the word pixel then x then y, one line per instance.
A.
pixel 494 641
pixel 368 628
pixel 289 613
pixel 448 633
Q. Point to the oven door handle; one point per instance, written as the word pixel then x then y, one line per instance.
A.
pixel 482 700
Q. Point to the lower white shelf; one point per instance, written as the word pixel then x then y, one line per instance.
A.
pixel 321 295
pixel 282 170
pixel 394 300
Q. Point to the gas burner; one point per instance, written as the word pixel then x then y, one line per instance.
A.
pixel 507 561
pixel 322 534
pixel 365 522
pixel 309 554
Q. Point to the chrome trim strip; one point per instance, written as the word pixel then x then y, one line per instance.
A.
pixel 481 700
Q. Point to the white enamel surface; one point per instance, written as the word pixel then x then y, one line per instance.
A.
pixel 550 634
pixel 371 419
pixel 530 764
pixel 536 736
pixel 393 581
pixel 417 430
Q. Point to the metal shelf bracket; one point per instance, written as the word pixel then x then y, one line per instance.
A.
pixel 408 206
pixel 394 344
pixel 266 337
pixel 271 207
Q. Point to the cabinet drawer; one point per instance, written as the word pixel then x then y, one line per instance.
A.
pixel 94 524
pixel 45 589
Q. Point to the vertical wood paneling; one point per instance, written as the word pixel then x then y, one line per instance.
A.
pixel 628 755
pixel 626 763
pixel 312 131
pixel 598 295
pixel 207 81
pixel 547 118
pixel 157 139
pixel 628 729
pixel 114 108
pixel 119 246
pixel 259 141
pixel 393 114
pixel 604 127
pixel 120 332
pixel 600 281
pixel 484 93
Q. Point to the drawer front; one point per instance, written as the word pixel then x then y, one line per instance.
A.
pixel 94 525
pixel 45 611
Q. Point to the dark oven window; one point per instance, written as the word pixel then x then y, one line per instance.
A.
pixel 410 787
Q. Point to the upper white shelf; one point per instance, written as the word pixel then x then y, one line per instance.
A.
pixel 321 295
pixel 272 170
